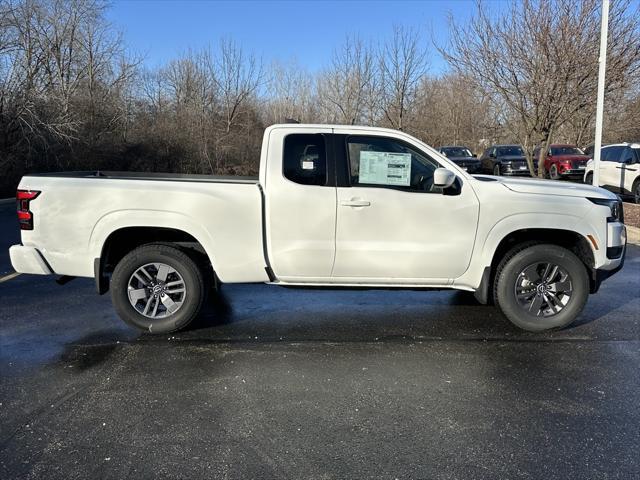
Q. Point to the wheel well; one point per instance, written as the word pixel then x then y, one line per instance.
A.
pixel 572 241
pixel 124 240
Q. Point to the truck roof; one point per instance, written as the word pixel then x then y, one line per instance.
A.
pixel 323 125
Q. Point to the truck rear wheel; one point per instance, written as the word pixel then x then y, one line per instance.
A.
pixel 157 288
pixel 541 287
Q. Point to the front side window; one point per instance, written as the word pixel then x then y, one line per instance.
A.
pixel 305 159
pixel 380 161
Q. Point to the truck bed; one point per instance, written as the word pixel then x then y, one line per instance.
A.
pixel 171 177
pixel 76 212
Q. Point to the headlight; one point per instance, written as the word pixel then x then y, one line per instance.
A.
pixel 617 213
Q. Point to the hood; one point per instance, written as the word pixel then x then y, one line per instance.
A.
pixel 571 158
pixel 464 159
pixel 512 158
pixel 553 187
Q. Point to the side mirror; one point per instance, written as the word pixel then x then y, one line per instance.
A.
pixel 474 155
pixel 492 155
pixel 443 178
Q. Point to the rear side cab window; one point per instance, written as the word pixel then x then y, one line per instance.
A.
pixel 389 163
pixel 305 159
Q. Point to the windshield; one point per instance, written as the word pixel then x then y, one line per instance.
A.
pixel 512 150
pixel 456 152
pixel 566 151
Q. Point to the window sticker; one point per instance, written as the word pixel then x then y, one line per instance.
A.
pixel 385 168
pixel 308 165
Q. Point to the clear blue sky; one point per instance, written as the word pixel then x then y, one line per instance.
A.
pixel 275 30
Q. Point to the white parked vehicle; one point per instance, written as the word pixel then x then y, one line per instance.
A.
pixel 333 206
pixel 619 169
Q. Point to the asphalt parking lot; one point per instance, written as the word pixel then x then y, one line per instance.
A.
pixel 279 383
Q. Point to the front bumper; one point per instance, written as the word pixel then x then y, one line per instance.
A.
pixel 509 172
pixel 577 173
pixel 515 170
pixel 616 250
pixel 600 275
pixel 28 260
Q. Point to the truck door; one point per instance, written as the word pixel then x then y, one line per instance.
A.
pixel 393 224
pixel 300 203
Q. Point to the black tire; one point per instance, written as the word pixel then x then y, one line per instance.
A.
pixel 194 280
pixel 553 172
pixel 509 272
pixel 496 170
pixel 588 179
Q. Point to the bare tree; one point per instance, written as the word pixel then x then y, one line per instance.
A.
pixel 403 62
pixel 344 88
pixel 540 59
pixel 290 93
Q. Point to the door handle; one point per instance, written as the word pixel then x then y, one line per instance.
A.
pixel 355 203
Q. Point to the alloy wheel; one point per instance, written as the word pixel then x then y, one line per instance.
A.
pixel 543 289
pixel 156 290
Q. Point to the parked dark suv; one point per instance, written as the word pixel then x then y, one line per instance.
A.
pixel 504 160
pixel 462 157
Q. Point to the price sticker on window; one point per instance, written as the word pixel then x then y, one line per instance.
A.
pixel 385 168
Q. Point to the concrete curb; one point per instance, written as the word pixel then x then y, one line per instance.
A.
pixel 7 200
pixel 633 235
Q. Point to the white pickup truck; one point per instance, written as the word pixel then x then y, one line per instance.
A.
pixel 333 206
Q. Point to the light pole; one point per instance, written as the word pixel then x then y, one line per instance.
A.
pixel 602 60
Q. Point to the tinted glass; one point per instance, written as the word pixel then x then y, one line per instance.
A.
pixel 628 156
pixel 611 154
pixel 456 152
pixel 305 160
pixel 380 161
pixel 566 151
pixel 511 150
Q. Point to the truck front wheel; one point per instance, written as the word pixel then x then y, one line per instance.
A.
pixel 541 287
pixel 157 288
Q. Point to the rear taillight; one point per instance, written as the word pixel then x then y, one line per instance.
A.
pixel 25 217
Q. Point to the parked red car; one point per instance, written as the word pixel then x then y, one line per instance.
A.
pixel 563 161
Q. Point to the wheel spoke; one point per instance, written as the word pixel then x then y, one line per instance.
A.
pixel 536 303
pixel 147 274
pixel 524 295
pixel 142 281
pixel 169 303
pixel 547 270
pixel 174 290
pixel 163 271
pixel 552 274
pixel 561 286
pixel 147 306
pixel 553 302
pixel 138 294
pixel 531 274
pixel 155 308
pixel 175 282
